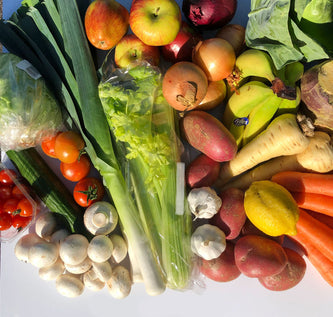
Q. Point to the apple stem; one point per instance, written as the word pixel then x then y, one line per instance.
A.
pixel 157 11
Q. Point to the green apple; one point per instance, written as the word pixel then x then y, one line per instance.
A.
pixel 155 22
pixel 131 51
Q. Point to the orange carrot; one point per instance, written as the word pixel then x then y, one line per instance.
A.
pixel 327 220
pixel 320 262
pixel 316 202
pixel 309 182
pixel 316 232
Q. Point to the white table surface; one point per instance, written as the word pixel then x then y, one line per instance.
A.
pixel 24 294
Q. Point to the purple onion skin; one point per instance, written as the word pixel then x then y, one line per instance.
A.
pixel 317 94
pixel 209 14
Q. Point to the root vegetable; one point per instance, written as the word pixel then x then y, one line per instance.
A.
pixel 216 93
pixel 317 94
pixel 235 35
pixel 74 249
pixel 120 283
pixel 256 256
pixel 283 136
pixel 317 157
pixel 208 135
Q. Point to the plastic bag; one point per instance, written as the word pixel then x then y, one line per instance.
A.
pixel 28 110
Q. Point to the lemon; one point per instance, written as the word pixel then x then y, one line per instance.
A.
pixel 271 208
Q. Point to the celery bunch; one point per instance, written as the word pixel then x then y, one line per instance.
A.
pixel 143 125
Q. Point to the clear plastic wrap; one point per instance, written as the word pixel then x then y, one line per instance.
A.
pixel 144 128
pixel 28 110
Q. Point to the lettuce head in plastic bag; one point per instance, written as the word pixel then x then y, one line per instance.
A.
pixel 28 110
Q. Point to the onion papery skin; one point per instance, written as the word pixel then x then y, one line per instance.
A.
pixel 209 14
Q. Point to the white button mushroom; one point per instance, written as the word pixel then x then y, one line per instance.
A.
pixel 46 225
pixel 59 236
pixel 73 249
pixel 80 268
pixel 92 282
pixel 208 241
pixel 119 248
pixel 51 272
pixel 43 254
pixel 100 218
pixel 100 248
pixel 103 270
pixel 204 202
pixel 120 284
pixel 24 244
pixel 69 285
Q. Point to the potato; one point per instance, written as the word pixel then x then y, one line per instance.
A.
pixel 202 172
pixel 231 216
pixel 223 268
pixel 250 228
pixel 257 256
pixel 208 135
pixel 290 276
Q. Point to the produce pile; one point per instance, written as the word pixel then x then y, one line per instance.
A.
pixel 192 152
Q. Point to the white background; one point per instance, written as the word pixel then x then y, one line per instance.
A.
pixel 24 294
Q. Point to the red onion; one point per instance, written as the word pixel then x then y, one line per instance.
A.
pixel 209 14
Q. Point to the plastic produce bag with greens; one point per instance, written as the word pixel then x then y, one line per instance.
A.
pixel 294 30
pixel 28 110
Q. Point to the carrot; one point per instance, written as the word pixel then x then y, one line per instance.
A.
pixel 320 262
pixel 308 182
pixel 316 232
pixel 327 220
pixel 315 202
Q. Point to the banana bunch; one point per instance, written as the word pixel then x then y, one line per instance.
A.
pixel 262 93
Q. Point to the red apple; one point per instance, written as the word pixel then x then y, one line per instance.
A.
pixel 155 22
pixel 180 49
pixel 106 22
pixel 131 51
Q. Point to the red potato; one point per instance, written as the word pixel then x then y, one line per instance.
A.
pixel 231 217
pixel 250 228
pixel 208 135
pixel 223 268
pixel 257 256
pixel 290 276
pixel 202 172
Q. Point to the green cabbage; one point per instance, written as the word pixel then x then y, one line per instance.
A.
pixel 28 110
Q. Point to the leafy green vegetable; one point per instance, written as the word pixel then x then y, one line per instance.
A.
pixel 277 26
pixel 28 109
pixel 143 125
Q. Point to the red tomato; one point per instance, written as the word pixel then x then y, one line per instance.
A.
pixel 17 192
pixel 25 207
pixel 48 144
pixel 5 192
pixel 20 222
pixel 5 221
pixel 68 146
pixel 6 176
pixel 87 191
pixel 77 170
pixel 10 205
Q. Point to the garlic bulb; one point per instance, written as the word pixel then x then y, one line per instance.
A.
pixel 204 202
pixel 208 242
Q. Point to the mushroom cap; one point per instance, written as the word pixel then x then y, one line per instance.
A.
pixel 91 280
pixel 80 268
pixel 120 249
pixel 51 272
pixel 73 249
pixel 46 225
pixel 69 285
pixel 43 254
pixel 100 248
pixel 100 218
pixel 120 283
pixel 24 244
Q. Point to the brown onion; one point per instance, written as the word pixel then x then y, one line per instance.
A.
pixel 184 85
pixel 317 94
pixel 216 57
pixel 216 93
pixel 235 35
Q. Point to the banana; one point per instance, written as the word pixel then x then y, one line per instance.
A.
pixel 253 63
pixel 288 105
pixel 241 103
pixel 260 117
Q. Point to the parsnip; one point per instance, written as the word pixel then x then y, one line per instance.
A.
pixel 318 157
pixel 282 137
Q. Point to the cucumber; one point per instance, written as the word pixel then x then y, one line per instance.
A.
pixel 48 187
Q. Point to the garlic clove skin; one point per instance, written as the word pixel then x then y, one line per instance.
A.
pixel 208 242
pixel 204 203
